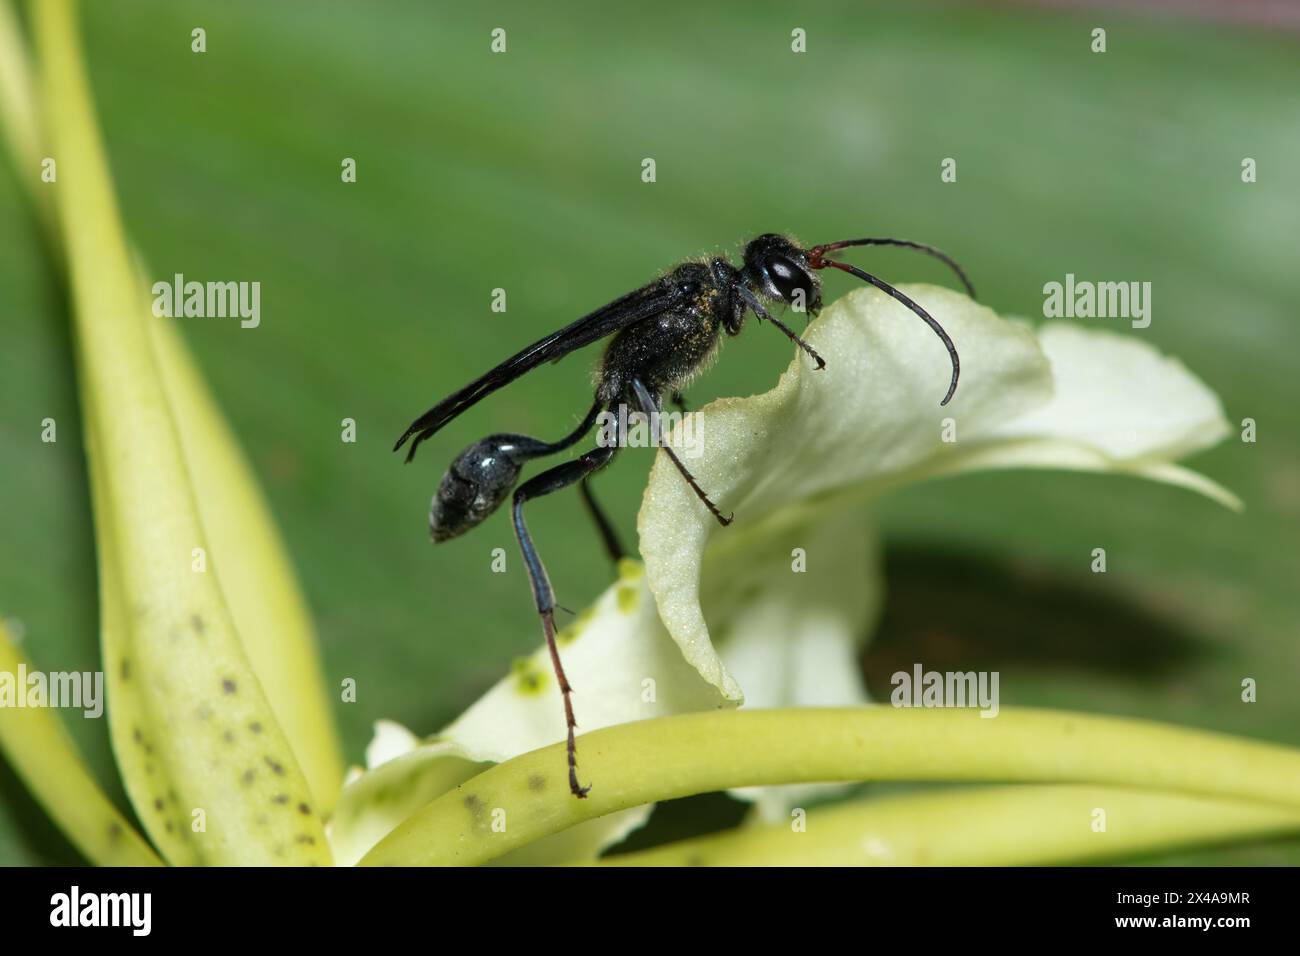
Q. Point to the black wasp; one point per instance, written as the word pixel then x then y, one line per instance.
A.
pixel 664 334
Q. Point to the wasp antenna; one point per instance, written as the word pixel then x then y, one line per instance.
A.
pixel 816 253
pixel 925 316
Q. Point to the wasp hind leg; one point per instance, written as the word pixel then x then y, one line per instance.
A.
pixel 547 482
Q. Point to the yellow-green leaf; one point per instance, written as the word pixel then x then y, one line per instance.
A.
pixel 207 763
pixel 44 756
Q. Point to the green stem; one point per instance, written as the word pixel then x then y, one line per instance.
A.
pixel 527 798
pixel 986 826
pixel 39 749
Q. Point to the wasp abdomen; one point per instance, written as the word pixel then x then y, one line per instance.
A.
pixel 478 481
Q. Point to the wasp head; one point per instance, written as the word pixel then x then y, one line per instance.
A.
pixel 778 268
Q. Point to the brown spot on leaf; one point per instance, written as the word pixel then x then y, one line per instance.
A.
pixel 475 807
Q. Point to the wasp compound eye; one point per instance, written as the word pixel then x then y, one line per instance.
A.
pixel 788 277
pixel 478 481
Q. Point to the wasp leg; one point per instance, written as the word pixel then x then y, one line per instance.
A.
pixel 651 405
pixel 608 536
pixel 547 482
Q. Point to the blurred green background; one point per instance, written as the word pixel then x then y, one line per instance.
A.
pixel 522 171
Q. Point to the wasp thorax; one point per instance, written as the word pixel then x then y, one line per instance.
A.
pixel 478 481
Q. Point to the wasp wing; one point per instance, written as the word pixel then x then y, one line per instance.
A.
pixel 634 307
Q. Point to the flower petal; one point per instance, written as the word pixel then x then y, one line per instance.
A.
pixel 865 420
pixel 374 802
pixel 1119 395
pixel 790 610
pixel 1119 405
pixel 623 667
pixel 791 607
pixel 811 451
pixel 391 740
pixel 620 662
pixel 253 566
